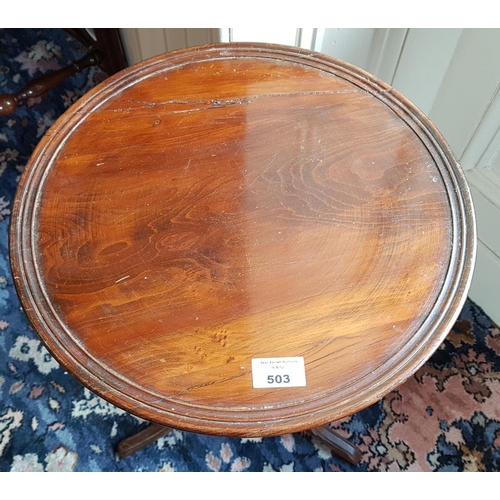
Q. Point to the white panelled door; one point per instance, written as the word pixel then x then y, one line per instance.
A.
pixel 452 75
pixel 142 43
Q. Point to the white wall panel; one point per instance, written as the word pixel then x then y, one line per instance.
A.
pixel 482 149
pixel 279 35
pixel 143 43
pixel 424 61
pixel 351 45
pixel 468 88
pixel 385 52
pixel 453 75
pixel 485 280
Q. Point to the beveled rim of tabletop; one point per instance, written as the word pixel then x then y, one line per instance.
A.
pixel 222 421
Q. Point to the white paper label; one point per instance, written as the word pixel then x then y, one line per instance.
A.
pixel 268 373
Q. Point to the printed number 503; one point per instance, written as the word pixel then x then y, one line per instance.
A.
pixel 278 379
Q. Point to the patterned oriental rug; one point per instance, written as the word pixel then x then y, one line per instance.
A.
pixel 445 418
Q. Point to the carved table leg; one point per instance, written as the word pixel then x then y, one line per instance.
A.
pixel 138 441
pixel 340 446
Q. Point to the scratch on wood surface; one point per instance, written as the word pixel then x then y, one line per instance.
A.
pixel 259 176
pixel 220 103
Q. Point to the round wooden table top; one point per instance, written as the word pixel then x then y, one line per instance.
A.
pixel 215 216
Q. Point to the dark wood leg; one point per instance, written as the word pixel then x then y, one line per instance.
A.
pixel 340 446
pixel 110 44
pixel 138 441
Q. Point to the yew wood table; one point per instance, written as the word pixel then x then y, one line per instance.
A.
pixel 242 240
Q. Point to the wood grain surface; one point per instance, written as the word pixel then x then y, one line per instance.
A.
pixel 230 202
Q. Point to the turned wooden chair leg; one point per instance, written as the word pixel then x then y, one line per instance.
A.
pixel 340 446
pixel 139 441
pixel 106 52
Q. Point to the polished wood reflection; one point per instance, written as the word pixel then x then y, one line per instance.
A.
pixel 232 202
